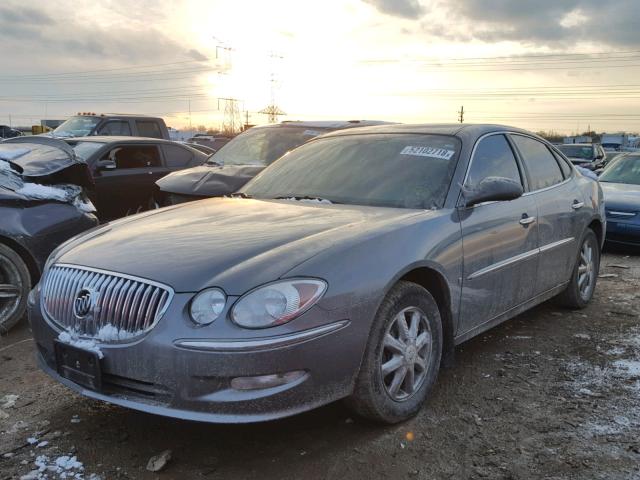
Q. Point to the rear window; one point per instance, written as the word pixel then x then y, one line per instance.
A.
pixel 148 128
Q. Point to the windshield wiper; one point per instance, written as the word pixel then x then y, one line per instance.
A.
pixel 304 197
pixel 239 195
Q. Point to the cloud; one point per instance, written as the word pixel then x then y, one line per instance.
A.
pixel 550 22
pixel 410 9
pixel 66 35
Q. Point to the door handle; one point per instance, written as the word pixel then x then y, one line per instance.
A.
pixel 527 220
pixel 577 205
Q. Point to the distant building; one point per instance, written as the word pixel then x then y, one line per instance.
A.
pixel 615 141
pixel 578 139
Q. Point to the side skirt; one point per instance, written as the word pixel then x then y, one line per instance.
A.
pixel 503 317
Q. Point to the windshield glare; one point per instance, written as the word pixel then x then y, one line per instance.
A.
pixel 85 149
pixel 261 146
pixel 77 127
pixel 623 170
pixel 577 151
pixel 388 170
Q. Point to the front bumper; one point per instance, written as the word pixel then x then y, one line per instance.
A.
pixel 180 372
pixel 623 232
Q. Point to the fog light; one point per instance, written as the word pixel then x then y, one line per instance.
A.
pixel 266 381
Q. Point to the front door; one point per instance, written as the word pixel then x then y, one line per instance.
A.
pixel 500 241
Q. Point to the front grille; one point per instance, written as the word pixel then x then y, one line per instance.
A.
pixel 106 306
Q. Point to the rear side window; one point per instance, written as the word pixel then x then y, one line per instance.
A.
pixel 148 129
pixel 493 158
pixel 177 156
pixel 115 127
pixel 541 165
pixel 564 165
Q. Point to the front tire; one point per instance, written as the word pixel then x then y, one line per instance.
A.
pixel 15 283
pixel 402 358
pixel 579 291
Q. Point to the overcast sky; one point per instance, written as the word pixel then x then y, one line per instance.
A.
pixel 543 64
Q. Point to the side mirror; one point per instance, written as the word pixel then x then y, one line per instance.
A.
pixel 599 171
pixel 492 189
pixel 599 156
pixel 106 165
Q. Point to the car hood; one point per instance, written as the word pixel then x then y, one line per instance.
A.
pixel 209 180
pixel 232 243
pixel 622 196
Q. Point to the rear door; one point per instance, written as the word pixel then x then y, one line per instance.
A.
pixel 558 201
pixel 129 187
pixel 500 240
pixel 148 128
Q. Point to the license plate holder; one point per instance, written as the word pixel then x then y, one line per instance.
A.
pixel 78 365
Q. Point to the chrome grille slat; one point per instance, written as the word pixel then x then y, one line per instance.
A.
pixel 130 305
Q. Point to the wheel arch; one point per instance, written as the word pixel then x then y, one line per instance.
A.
pixel 436 284
pixel 25 255
pixel 598 229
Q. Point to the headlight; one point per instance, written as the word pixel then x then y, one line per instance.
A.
pixel 277 303
pixel 207 306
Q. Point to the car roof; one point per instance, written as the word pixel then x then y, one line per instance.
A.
pixel 118 138
pixel 326 124
pixel 454 129
pixel 118 115
pixel 575 145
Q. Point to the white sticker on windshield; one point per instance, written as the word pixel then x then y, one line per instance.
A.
pixel 311 133
pixel 441 153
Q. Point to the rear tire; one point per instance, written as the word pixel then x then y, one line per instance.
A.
pixel 15 283
pixel 579 291
pixel 402 358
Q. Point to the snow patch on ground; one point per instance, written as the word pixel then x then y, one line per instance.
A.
pixel 72 338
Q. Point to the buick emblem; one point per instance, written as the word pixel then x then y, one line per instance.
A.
pixel 84 303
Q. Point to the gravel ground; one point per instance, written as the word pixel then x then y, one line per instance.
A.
pixel 550 394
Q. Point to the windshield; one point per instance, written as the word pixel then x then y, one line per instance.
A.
pixel 85 149
pixel 623 170
pixel 577 151
pixel 261 146
pixel 77 127
pixel 388 170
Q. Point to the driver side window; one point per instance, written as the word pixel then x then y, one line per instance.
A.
pixel 493 158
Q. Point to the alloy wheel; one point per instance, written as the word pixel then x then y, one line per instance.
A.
pixel 10 288
pixel 586 269
pixel 405 355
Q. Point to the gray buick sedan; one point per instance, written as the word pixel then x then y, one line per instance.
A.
pixel 348 269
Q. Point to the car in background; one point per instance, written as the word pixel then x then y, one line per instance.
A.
pixel 349 268
pixel 202 148
pixel 107 124
pixel 620 183
pixel 125 170
pixel 215 142
pixel 587 155
pixel 9 132
pixel 243 158
pixel 43 202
